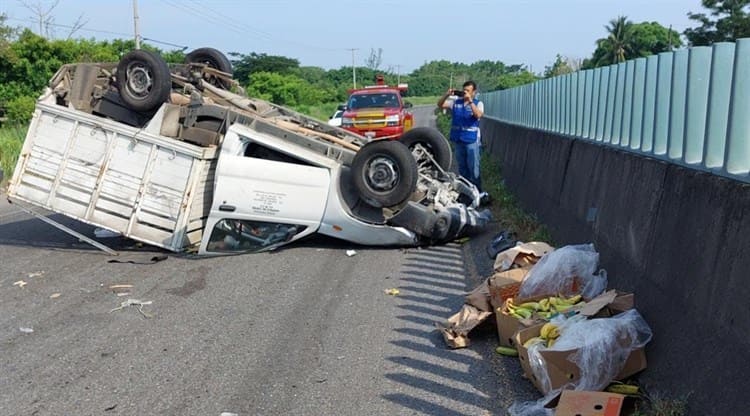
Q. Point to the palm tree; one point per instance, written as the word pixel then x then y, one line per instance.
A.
pixel 618 45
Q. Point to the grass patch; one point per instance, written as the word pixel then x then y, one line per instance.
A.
pixel 11 141
pixel 657 404
pixel 504 206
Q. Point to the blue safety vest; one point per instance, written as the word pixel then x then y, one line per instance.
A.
pixel 465 127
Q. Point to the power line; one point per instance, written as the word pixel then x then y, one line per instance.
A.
pixel 207 13
pixel 108 32
pixel 72 27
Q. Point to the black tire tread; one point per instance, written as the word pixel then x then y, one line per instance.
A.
pixel 434 140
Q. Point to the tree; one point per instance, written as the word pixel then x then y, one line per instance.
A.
pixel 43 15
pixel 629 40
pixel 561 66
pixel 375 59
pixel 515 79
pixel 732 21
pixel 650 38
pixel 244 65
pixel 285 89
pixel 619 43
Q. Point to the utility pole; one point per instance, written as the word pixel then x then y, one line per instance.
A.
pixel 398 74
pixel 354 70
pixel 450 84
pixel 669 37
pixel 135 24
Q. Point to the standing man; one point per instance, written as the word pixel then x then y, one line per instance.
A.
pixel 465 114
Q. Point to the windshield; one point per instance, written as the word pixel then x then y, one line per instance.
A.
pixel 378 100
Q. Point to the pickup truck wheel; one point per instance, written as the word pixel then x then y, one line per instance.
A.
pixel 432 141
pixel 384 173
pixel 214 59
pixel 143 80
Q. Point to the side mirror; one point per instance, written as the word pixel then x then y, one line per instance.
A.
pixel 408 104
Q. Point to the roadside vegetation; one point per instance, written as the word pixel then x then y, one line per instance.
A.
pixel 11 140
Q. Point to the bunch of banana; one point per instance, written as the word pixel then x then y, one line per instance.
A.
pixel 548 334
pixel 544 308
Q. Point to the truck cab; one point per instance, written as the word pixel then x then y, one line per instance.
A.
pixel 378 111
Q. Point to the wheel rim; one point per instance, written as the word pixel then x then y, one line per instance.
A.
pixel 140 79
pixel 382 174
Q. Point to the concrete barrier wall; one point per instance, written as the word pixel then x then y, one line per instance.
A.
pixel 677 237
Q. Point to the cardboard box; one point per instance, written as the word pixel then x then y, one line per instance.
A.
pixel 589 403
pixel 523 255
pixel 503 285
pixel 508 325
pixel 560 369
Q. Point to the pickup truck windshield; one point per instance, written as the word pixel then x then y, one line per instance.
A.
pixel 378 100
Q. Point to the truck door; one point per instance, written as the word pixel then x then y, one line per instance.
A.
pixel 261 201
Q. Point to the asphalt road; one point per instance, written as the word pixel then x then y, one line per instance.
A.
pixel 305 330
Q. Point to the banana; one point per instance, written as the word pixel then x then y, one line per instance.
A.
pixel 551 342
pixel 546 329
pixel 562 307
pixel 511 352
pixel 627 389
pixel 553 333
pixel 515 315
pixel 544 305
pixel 554 300
pixel 574 299
pixel 545 315
pixel 526 313
pixel 532 341
pixel 530 305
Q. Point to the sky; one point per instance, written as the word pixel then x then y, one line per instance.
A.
pixel 333 33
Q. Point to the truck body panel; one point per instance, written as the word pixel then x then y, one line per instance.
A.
pixel 129 180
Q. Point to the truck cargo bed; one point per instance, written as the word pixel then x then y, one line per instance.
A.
pixel 129 180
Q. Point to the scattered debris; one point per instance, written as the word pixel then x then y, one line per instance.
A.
pixel 26 330
pixel 152 260
pixel 107 409
pixel 35 274
pixel 228 414
pixel 456 329
pixel 392 292
pixel 122 294
pixel 350 253
pixel 462 240
pixel 19 283
pixel 120 286
pixel 134 302
pixel 54 296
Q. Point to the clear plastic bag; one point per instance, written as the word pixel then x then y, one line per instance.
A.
pixel 556 272
pixel 603 345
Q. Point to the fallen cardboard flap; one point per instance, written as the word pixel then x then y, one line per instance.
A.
pixel 456 329
pixel 523 254
pixel 480 296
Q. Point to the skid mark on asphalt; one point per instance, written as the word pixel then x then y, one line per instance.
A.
pixel 429 378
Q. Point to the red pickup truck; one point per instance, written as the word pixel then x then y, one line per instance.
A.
pixel 378 111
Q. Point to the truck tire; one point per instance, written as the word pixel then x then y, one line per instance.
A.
pixel 433 141
pixel 143 80
pixel 214 59
pixel 384 173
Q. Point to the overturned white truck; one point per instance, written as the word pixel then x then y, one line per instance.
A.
pixel 169 155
